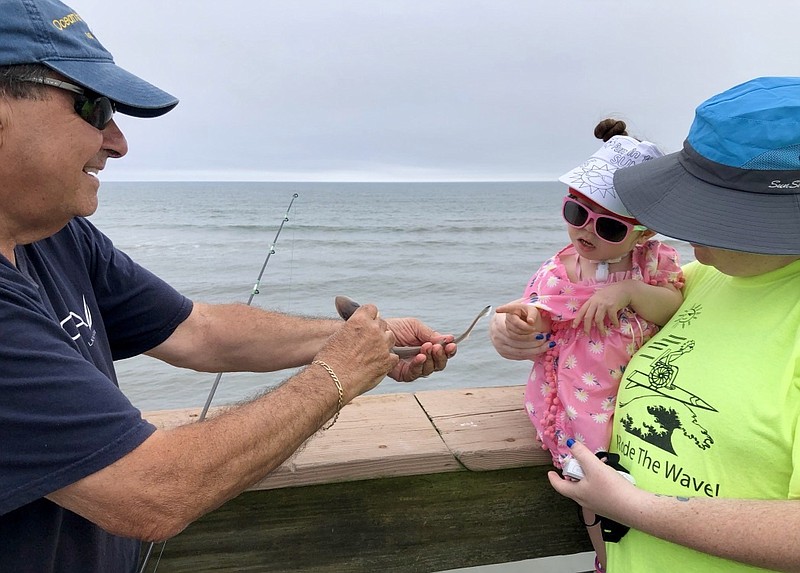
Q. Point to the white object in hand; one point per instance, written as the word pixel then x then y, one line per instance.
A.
pixel 574 470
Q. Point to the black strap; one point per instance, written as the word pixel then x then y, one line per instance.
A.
pixel 611 530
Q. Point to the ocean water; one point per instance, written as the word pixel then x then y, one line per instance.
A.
pixel 437 251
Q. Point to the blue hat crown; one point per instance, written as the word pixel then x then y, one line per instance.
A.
pixel 51 33
pixel 44 31
pixel 755 125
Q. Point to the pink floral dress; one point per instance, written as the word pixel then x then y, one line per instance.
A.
pixel 572 388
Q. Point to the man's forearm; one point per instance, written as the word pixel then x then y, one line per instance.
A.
pixel 177 475
pixel 240 338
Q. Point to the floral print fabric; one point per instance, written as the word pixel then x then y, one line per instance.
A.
pixel 571 390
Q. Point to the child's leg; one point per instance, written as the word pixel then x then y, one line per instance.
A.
pixel 596 537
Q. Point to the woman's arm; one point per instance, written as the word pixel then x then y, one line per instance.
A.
pixel 764 533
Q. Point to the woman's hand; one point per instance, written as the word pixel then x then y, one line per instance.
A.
pixel 602 490
pixel 518 331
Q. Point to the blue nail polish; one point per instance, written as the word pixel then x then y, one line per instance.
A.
pixel 540 337
pixel 552 344
pixel 548 336
pixel 570 442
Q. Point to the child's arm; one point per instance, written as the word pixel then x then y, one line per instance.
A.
pixel 531 320
pixel 656 304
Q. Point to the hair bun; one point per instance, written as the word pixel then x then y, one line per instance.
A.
pixel 610 127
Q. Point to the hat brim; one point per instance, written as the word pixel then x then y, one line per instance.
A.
pixel 132 95
pixel 664 197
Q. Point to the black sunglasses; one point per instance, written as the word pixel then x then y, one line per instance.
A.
pixel 608 227
pixel 94 109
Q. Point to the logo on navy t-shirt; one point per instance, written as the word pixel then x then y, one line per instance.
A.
pixel 74 324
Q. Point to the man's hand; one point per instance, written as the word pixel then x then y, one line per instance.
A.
pixel 359 351
pixel 435 349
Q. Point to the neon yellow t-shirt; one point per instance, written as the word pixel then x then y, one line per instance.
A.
pixel 710 406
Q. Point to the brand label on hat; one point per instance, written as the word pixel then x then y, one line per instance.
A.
pixel 67 21
pixel 62 24
pixel 777 184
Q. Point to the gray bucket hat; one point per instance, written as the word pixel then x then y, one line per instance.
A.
pixel 736 183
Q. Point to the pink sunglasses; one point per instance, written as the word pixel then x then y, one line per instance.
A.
pixel 608 227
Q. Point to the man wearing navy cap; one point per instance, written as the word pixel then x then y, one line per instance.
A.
pixel 708 412
pixel 83 477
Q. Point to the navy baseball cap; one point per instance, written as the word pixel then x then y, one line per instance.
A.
pixel 736 183
pixel 50 33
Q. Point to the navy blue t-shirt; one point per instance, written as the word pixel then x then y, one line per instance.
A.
pixel 72 305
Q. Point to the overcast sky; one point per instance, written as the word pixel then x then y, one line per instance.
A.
pixel 423 90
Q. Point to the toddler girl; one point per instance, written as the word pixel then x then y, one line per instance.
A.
pixel 599 298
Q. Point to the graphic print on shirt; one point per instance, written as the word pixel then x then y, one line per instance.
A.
pixel 676 409
pixel 74 324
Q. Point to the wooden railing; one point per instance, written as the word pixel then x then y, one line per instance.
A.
pixel 419 482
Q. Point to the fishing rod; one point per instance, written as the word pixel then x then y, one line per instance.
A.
pixel 254 292
pixel 213 391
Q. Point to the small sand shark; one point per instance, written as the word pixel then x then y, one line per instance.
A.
pixel 346 306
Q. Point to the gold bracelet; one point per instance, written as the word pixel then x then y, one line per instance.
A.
pixel 335 379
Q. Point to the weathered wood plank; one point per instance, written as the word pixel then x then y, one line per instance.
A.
pixel 374 437
pixel 485 428
pixel 412 524
pixel 407 434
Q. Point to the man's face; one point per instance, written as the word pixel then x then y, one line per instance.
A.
pixel 49 157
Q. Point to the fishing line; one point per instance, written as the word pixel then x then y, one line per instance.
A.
pixel 213 391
